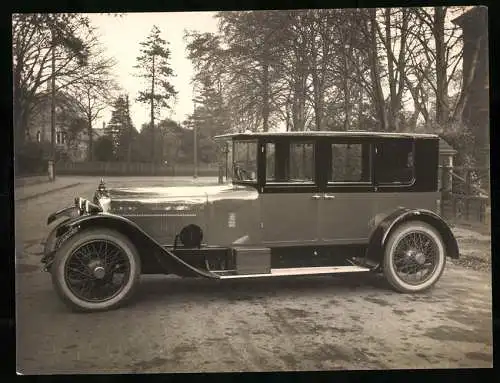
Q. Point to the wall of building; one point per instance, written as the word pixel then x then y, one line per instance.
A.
pixel 39 129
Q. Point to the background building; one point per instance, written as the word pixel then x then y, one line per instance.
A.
pixel 71 137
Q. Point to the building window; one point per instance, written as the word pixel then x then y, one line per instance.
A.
pixel 38 136
pixel 60 137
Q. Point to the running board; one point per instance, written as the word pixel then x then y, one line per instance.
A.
pixel 301 271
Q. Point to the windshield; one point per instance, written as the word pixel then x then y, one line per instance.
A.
pixel 244 160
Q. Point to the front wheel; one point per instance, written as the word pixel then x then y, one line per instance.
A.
pixel 96 270
pixel 415 257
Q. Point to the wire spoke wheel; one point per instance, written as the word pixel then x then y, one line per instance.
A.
pixel 415 257
pixel 97 270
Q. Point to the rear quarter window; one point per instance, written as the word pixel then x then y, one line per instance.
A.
pixel 395 164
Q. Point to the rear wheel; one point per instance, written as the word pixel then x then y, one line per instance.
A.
pixel 96 270
pixel 414 258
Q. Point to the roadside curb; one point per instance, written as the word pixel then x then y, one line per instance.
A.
pixel 47 192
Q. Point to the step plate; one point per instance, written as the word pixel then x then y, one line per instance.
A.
pixel 302 271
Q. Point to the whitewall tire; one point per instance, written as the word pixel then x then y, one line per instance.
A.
pixel 86 268
pixel 414 258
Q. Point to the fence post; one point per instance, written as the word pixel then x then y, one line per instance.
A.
pixel 468 192
pixel 51 171
pixel 447 177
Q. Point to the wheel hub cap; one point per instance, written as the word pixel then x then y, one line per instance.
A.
pixel 420 258
pixel 99 272
pixel 415 255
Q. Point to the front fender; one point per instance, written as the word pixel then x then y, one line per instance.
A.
pixel 379 236
pixel 68 212
pixel 150 250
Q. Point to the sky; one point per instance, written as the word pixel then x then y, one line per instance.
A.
pixel 121 37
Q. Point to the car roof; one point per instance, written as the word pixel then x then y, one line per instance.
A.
pixel 315 133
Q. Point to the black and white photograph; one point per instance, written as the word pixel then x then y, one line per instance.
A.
pixel 252 190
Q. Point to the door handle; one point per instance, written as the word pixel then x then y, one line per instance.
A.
pixel 316 196
pixel 329 196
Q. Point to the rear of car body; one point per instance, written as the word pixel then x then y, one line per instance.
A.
pixel 302 203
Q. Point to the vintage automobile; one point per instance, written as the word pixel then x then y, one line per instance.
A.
pixel 294 204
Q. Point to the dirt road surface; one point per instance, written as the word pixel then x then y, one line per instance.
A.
pixel 186 325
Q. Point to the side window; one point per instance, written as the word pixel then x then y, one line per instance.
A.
pixel 395 163
pixel 244 159
pixel 350 163
pixel 301 162
pixel 293 163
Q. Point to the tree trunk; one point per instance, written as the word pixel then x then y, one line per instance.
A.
pixel 393 104
pixel 287 115
pixel 129 134
pixel 466 82
pixel 19 127
pixel 378 95
pixel 53 106
pixel 442 107
pixel 153 113
pixel 90 151
pixel 347 94
pixel 317 88
pixel 265 89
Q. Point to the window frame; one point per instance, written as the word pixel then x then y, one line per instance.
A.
pixel 353 141
pixel 257 170
pixel 291 142
pixel 395 185
pixel 347 187
pixel 267 186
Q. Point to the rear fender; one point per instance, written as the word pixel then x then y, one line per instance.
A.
pixel 380 235
pixel 151 252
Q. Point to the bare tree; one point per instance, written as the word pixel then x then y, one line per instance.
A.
pixel 442 47
pixel 36 38
pixel 95 92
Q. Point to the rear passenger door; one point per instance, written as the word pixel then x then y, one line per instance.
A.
pixel 347 203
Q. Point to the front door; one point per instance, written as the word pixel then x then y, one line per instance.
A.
pixel 347 199
pixel 290 200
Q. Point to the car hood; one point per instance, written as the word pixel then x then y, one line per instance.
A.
pixel 181 194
